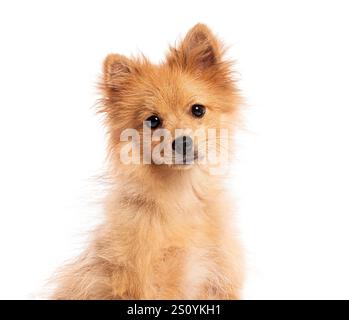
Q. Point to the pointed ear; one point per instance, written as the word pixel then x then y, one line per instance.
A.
pixel 200 49
pixel 116 71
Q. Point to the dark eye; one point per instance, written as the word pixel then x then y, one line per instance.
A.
pixel 198 110
pixel 153 122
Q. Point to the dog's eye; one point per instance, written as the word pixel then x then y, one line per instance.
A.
pixel 153 122
pixel 198 110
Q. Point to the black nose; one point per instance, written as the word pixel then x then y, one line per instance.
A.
pixel 182 145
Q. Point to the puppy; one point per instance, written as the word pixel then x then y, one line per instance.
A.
pixel 167 231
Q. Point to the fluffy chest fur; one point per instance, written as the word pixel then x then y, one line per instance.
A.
pixel 160 243
pixel 174 243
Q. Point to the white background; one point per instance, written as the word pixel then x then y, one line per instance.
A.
pixel 291 172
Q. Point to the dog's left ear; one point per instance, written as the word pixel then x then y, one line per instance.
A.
pixel 199 50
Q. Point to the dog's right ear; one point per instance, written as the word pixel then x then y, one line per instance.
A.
pixel 116 71
pixel 199 50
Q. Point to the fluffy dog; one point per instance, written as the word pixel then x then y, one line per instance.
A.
pixel 167 228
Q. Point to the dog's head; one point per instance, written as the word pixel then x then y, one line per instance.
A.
pixel 163 114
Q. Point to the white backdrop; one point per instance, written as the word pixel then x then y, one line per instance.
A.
pixel 291 172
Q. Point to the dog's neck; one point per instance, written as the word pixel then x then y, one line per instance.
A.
pixel 169 184
pixel 165 189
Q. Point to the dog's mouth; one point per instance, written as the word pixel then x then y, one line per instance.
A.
pixel 177 159
pixel 179 162
pixel 185 160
